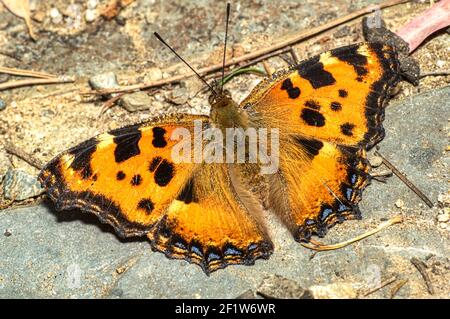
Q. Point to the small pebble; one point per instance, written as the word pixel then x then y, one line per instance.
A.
pixel 56 16
pixel 39 16
pixel 154 74
pixel 73 10
pixel 121 20
pixel 137 101
pixel 375 161
pixel 92 4
pixel 440 63
pixel 121 270
pixel 106 80
pixel 2 105
pixel 444 199
pixel 117 292
pixel 342 32
pixel 443 225
pixel 443 218
pixel 90 15
pixel 178 96
pixel 399 203
pixel 33 5
pixel 4 25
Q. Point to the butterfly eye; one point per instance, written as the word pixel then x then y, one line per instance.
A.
pixel 212 99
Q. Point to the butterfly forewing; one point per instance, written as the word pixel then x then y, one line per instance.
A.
pixel 126 176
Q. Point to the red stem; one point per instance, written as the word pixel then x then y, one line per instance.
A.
pixel 435 18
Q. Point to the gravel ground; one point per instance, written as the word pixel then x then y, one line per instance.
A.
pixel 49 254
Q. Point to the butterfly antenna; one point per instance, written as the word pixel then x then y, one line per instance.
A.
pixel 184 61
pixel 226 40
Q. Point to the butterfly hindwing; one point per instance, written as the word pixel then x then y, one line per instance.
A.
pixel 329 110
pixel 318 187
pixel 212 223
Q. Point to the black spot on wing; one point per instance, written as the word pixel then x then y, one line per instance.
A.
pixel 312 104
pixel 313 117
pixel 313 71
pixel 351 56
pixel 311 146
pixel 293 92
pixel 343 93
pixel 187 193
pixel 136 180
pixel 158 137
pixel 126 140
pixel 147 205
pixel 82 155
pixel 164 173
pixel 120 175
pixel 347 129
pixel 336 106
pixel 154 163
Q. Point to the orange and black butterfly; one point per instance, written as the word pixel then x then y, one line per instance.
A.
pixel 328 110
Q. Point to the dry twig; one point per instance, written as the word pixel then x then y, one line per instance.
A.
pixel 30 159
pixel 397 287
pixel 20 83
pixel 108 104
pixel 382 285
pixel 29 73
pixel 421 267
pixel 405 180
pixel 434 73
pixel 322 247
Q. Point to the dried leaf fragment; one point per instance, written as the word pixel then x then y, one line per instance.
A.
pixel 21 8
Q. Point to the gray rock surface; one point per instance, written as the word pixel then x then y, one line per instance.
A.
pixel 276 286
pixel 20 185
pixel 69 254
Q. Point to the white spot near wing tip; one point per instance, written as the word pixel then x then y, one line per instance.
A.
pixel 326 58
pixel 364 50
pixel 104 140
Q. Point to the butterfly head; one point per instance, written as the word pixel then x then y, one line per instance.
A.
pixel 225 112
pixel 221 99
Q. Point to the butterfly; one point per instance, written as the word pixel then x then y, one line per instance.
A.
pixel 328 111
